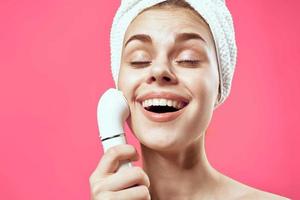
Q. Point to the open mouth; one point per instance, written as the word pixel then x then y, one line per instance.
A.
pixel 163 105
pixel 161 109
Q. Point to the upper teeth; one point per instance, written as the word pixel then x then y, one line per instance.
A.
pixel 163 102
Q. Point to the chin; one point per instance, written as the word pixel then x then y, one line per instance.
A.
pixel 159 138
pixel 160 145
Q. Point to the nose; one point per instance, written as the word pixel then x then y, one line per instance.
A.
pixel 162 73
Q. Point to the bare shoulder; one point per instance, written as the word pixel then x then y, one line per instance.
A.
pixel 261 195
pixel 241 191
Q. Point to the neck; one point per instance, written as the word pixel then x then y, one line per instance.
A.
pixel 185 174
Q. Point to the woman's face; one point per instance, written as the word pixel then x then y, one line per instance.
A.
pixel 169 55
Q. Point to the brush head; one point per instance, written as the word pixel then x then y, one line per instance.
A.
pixel 112 111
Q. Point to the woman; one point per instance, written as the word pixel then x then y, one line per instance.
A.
pixel 176 66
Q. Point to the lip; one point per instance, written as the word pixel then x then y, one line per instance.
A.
pixel 162 117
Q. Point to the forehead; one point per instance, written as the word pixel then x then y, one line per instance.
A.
pixel 165 22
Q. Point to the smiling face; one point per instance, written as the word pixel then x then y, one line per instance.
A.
pixel 169 58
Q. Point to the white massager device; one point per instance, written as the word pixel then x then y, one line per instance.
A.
pixel 112 111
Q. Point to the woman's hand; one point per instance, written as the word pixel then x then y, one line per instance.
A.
pixel 128 183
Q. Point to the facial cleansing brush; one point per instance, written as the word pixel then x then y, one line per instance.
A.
pixel 112 111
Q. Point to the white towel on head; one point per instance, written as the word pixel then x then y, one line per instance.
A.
pixel 214 12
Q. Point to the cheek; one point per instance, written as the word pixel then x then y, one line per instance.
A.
pixel 202 87
pixel 127 81
pixel 201 111
pixel 201 83
pixel 129 77
pixel 205 88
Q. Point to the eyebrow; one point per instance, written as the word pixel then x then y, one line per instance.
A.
pixel 181 37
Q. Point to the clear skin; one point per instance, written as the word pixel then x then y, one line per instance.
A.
pixel 174 159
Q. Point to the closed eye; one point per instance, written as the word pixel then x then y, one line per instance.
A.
pixel 138 63
pixel 146 63
pixel 193 62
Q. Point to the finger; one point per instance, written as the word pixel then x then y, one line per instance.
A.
pixel 125 178
pixel 134 193
pixel 110 161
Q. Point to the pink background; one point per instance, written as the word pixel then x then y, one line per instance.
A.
pixel 54 59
